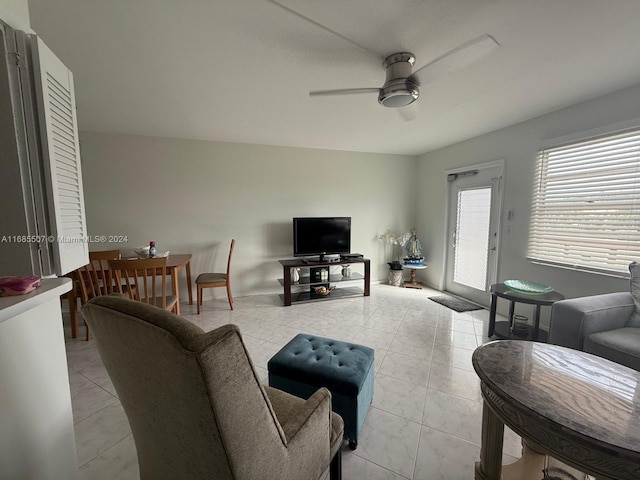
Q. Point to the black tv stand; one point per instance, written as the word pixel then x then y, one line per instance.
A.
pixel 307 281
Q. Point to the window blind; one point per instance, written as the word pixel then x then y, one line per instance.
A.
pixel 586 205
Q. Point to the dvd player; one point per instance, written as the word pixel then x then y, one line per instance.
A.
pixel 351 256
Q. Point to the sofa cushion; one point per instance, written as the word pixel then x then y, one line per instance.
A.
pixel 634 285
pixel 621 345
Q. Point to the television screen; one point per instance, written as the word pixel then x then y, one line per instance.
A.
pixel 321 235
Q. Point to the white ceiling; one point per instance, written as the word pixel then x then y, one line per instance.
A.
pixel 241 70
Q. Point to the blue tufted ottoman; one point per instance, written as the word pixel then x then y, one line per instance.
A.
pixel 309 362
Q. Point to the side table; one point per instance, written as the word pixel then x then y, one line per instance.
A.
pixel 502 330
pixel 412 282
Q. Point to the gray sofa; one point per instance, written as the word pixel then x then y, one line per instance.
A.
pixel 599 324
pixel 606 325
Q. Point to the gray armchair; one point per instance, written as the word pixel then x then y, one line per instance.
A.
pixel 196 406
pixel 599 324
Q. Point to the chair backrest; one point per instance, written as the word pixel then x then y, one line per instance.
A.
pixel 93 278
pixel 233 244
pixel 195 404
pixel 142 274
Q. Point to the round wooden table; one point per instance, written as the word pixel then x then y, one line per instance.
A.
pixel 581 409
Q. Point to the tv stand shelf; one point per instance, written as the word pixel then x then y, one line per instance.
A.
pixel 306 283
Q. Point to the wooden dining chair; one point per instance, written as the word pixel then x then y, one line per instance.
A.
pixel 212 280
pixel 93 280
pixel 142 275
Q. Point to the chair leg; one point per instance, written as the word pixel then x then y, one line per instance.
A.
pixel 73 313
pixel 229 297
pixel 199 301
pixel 335 468
pixel 88 331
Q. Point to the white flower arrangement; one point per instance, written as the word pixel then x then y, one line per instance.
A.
pixel 397 242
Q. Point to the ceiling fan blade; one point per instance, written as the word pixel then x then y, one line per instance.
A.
pixel 326 29
pixel 456 59
pixel 343 91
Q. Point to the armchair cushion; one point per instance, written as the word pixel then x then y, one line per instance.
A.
pixel 634 284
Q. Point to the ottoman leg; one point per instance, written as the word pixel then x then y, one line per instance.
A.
pixel 353 444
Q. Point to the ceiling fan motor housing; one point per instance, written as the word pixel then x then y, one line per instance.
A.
pixel 398 89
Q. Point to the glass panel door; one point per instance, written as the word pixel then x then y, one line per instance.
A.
pixel 471 242
pixel 472 233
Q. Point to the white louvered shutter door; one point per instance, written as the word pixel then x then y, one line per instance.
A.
pixel 61 158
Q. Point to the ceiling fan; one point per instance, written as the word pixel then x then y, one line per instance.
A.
pixel 401 86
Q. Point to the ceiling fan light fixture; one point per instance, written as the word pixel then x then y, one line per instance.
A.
pixel 398 93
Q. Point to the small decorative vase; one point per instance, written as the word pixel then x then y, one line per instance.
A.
pixel 395 278
pixel 295 275
pixel 346 271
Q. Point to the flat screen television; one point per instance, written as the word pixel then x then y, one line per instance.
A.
pixel 321 236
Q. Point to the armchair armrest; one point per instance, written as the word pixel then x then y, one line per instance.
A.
pixel 294 413
pixel 313 433
pixel 575 318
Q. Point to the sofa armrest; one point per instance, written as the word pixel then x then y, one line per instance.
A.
pixel 575 318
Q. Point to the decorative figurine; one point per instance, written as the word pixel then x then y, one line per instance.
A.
pixel 414 250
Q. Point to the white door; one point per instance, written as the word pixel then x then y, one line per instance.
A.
pixel 472 232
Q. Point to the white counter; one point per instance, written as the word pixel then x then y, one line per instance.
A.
pixel 37 440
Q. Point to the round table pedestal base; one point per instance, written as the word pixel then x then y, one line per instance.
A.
pixel 413 283
pixel 528 467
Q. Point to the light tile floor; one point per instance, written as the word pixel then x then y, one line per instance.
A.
pixel 425 419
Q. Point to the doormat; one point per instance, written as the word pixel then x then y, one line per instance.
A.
pixel 455 303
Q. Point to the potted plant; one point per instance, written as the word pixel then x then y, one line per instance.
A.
pixel 397 243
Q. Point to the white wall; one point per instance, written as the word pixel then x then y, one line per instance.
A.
pixel 517 145
pixel 37 439
pixel 194 196
pixel 15 13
